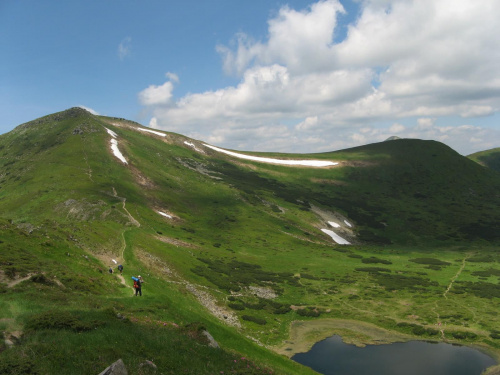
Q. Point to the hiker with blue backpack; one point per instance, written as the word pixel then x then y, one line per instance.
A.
pixel 138 285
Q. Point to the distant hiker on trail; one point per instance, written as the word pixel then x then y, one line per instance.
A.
pixel 138 285
pixel 120 268
pixel 110 270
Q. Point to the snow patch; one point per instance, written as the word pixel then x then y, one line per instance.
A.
pixel 347 223
pixel 336 237
pixel 334 224
pixel 190 144
pixel 116 151
pixel 111 133
pixel 308 163
pixel 164 214
pixel 152 131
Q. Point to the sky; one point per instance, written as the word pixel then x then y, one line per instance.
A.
pixel 261 75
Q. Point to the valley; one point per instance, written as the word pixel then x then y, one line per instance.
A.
pixel 246 250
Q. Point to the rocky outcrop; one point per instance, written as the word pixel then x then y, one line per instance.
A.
pixel 117 368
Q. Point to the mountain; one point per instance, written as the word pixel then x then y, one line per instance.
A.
pixel 240 247
pixel 488 158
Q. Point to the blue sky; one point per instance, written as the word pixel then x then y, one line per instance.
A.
pixel 290 76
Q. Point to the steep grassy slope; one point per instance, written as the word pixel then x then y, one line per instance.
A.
pixel 238 248
pixel 488 158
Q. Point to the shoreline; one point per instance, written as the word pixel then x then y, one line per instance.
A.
pixel 304 334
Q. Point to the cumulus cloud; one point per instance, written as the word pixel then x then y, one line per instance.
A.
pixel 156 95
pixel 425 60
pixel 124 48
pixel 94 112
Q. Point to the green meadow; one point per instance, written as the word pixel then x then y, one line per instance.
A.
pixel 241 255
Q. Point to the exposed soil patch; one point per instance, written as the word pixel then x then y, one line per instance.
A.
pixel 176 242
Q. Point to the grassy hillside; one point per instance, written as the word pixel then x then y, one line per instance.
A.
pixel 233 246
pixel 488 158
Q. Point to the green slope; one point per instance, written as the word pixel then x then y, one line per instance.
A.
pixel 242 254
pixel 488 158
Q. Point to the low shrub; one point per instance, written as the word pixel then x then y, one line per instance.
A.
pixel 464 335
pixel 309 312
pixel 282 310
pixel 375 260
pixel 495 335
pixel 59 320
pixel 254 319
pixel 236 306
pixel 430 261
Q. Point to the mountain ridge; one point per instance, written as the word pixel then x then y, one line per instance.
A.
pixel 237 246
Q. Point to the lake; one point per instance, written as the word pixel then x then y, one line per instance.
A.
pixel 333 357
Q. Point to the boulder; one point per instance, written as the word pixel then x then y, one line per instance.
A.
pixel 117 368
pixel 211 341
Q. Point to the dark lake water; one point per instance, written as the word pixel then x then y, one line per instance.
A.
pixel 333 357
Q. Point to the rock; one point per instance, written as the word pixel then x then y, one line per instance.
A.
pixel 148 364
pixel 117 368
pixel 211 341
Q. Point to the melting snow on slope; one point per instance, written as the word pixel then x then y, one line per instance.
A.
pixel 152 131
pixel 309 163
pixel 336 237
pixel 116 152
pixel 164 214
pixel 334 224
pixel 347 223
pixel 192 145
pixel 114 146
pixel 111 133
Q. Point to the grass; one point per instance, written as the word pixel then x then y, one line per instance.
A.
pixel 420 263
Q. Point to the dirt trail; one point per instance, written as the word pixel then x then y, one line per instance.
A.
pixel 131 218
pixel 456 276
pixel 15 282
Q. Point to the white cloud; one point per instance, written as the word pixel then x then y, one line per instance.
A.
pixel 94 112
pixel 396 128
pixel 172 77
pixel 124 47
pixel 430 60
pixel 156 95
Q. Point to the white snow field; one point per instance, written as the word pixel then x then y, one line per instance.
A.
pixel 152 131
pixel 164 214
pixel 114 146
pixel 334 224
pixel 336 237
pixel 347 223
pixel 190 144
pixel 308 163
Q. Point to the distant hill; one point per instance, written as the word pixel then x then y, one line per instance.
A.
pixel 488 158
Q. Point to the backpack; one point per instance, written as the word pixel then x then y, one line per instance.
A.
pixel 136 284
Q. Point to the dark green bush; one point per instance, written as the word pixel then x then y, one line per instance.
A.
pixel 236 306
pixel 495 335
pixel 282 310
pixel 59 320
pixel 430 261
pixel 254 319
pixel 308 312
pixel 419 330
pixel 464 335
pixel 375 260
pixel 17 365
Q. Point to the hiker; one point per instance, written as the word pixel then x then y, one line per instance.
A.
pixel 110 270
pixel 120 268
pixel 138 285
